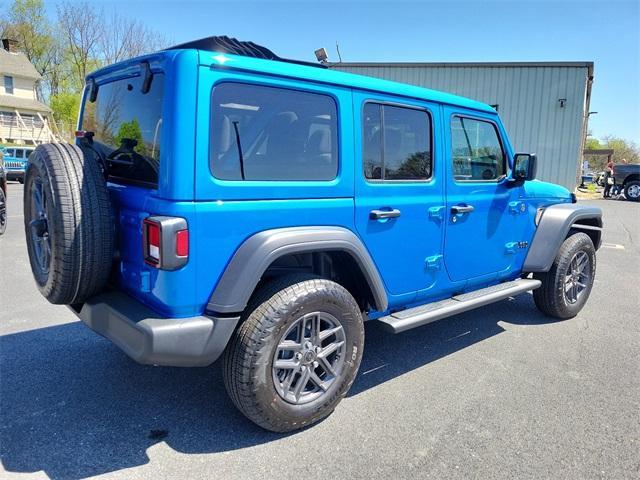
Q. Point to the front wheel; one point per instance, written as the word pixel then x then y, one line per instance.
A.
pixel 566 286
pixel 296 353
pixel 632 191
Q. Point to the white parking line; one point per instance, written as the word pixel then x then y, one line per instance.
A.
pixel 614 246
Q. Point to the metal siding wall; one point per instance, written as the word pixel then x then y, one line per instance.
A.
pixel 528 105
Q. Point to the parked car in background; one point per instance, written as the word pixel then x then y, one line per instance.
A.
pixel 16 161
pixel 3 194
pixel 261 210
pixel 628 177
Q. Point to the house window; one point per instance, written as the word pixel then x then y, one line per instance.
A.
pixel 8 85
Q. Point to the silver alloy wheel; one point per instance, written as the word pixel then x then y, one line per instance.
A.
pixel 577 277
pixel 309 358
pixel 634 191
pixel 39 226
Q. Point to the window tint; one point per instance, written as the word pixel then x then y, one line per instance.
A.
pixel 267 133
pixel 477 153
pixel 127 125
pixel 396 143
pixel 8 85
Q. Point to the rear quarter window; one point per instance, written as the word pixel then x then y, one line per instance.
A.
pixel 269 134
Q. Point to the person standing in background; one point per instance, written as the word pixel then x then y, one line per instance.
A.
pixel 608 180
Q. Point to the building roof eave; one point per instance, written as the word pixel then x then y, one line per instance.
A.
pixel 11 102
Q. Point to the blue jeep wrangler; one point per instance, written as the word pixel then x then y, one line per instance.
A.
pixel 16 160
pixel 223 201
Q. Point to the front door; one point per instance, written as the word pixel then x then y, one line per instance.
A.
pixel 483 214
pixel 398 192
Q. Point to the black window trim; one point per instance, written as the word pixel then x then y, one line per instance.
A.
pixel 408 106
pixel 300 89
pixel 505 163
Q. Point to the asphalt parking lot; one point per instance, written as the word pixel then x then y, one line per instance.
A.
pixel 501 392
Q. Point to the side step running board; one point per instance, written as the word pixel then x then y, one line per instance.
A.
pixel 414 317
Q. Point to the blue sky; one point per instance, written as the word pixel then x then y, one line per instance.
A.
pixel 606 32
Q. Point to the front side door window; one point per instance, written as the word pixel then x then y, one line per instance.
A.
pixel 476 149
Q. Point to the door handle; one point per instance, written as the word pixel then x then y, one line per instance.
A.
pixel 380 214
pixel 461 209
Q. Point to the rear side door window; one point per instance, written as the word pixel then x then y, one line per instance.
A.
pixel 396 143
pixel 265 133
pixel 476 151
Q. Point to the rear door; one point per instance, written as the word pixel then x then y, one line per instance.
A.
pixel 399 194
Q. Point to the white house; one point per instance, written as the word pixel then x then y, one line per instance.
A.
pixel 23 118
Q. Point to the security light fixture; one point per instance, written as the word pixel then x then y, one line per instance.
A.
pixel 321 55
pixel 562 101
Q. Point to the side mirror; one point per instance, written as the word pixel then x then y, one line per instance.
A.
pixel 525 166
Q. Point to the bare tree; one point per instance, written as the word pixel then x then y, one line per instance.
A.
pixel 81 28
pixel 124 38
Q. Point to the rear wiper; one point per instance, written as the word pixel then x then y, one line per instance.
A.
pixel 240 156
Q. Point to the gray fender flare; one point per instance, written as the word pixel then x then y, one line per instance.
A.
pixel 555 223
pixel 257 252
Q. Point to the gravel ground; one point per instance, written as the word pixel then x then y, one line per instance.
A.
pixel 501 392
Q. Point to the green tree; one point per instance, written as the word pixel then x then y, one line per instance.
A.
pixel 622 149
pixel 65 106
pixel 592 144
pixel 27 23
pixel 131 130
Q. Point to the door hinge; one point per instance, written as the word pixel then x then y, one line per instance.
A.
pixel 433 262
pixel 437 212
pixel 517 207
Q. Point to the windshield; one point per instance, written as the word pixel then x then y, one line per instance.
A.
pixel 126 126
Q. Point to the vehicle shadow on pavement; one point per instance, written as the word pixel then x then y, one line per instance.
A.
pixel 388 356
pixel 73 405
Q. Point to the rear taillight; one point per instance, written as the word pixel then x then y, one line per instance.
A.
pixel 165 242
pixel 182 243
pixel 152 242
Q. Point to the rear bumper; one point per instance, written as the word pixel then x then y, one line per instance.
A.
pixel 148 339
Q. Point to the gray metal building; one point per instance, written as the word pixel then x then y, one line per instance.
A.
pixel 544 105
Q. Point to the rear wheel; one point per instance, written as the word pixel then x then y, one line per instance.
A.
pixel 567 285
pixel 296 354
pixel 632 191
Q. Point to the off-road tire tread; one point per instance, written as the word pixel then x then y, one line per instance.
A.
pixel 549 297
pixel 262 315
pixel 81 223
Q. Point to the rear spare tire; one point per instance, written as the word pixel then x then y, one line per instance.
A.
pixel 68 223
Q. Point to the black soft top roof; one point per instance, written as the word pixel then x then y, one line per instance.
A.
pixel 224 44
